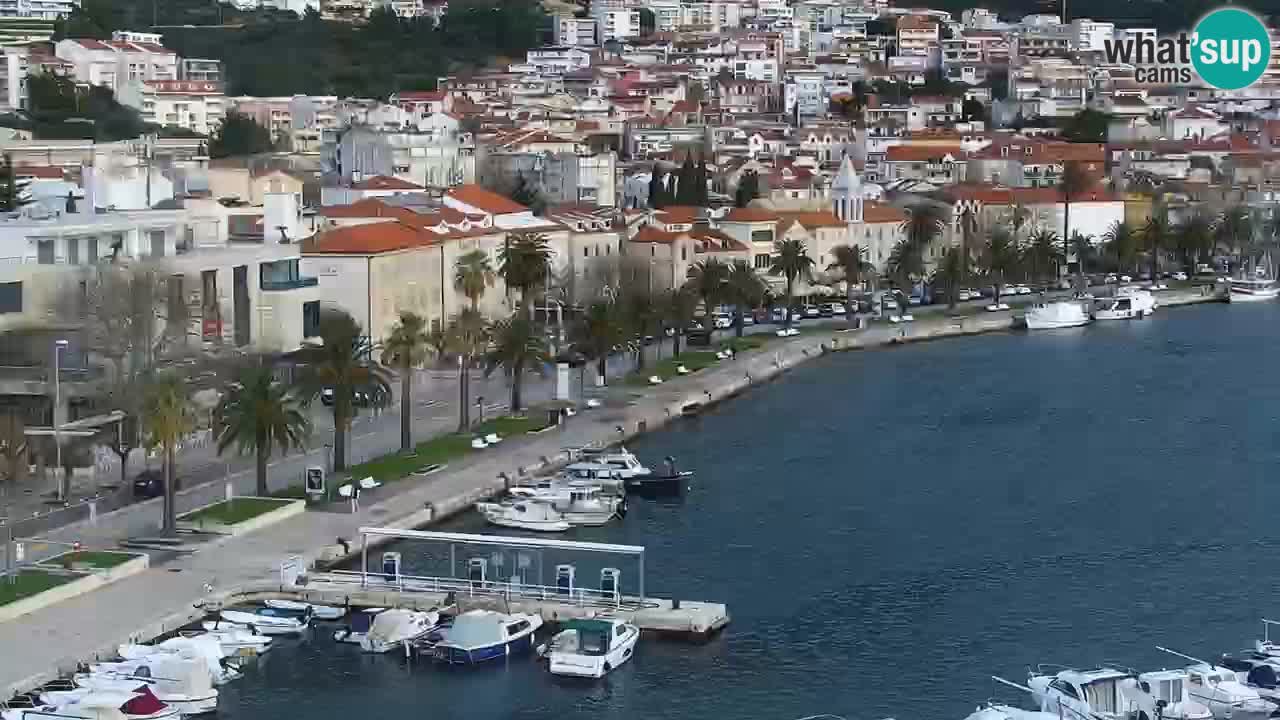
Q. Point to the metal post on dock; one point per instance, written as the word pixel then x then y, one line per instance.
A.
pixel 364 560
pixel 641 577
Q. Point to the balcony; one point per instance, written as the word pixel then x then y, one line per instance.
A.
pixel 290 284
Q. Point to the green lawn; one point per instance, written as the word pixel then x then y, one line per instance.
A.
pixel 95 559
pixel 442 449
pixel 30 582
pixel 666 369
pixel 233 511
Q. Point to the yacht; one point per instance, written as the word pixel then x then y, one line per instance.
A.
pixel 1111 694
pixel 477 636
pixel 1128 303
pixel 393 628
pixel 1060 314
pixel 621 463
pixel 204 648
pixel 993 711
pixel 591 648
pixel 1258 288
pixel 134 705
pixel 578 505
pixel 524 515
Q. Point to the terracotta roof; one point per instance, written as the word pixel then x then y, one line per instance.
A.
pixel 91 44
pixel 916 22
pixel 654 234
pixel 715 241
pixel 44 172
pixel 382 182
pixel 812 220
pixel 987 194
pixel 1047 196
pixel 368 239
pixel 485 200
pixel 750 214
pixel 368 207
pixel 679 214
pixel 420 96
pixel 920 153
pixel 873 212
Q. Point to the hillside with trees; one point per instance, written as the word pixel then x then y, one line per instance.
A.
pixel 274 53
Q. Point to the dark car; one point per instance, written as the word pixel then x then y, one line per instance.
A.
pixel 148 484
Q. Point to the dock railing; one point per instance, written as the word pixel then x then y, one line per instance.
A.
pixel 464 587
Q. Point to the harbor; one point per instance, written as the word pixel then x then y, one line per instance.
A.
pixel 680 565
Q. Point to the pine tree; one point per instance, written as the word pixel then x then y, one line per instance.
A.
pixel 700 186
pixel 656 188
pixel 686 192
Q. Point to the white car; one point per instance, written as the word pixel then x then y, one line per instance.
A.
pixel 1125 279
pixel 1179 275
pixel 836 308
pixel 1022 290
pixel 963 295
pixel 723 322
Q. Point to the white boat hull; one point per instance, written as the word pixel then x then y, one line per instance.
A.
pixel 319 612
pixel 593 666
pixel 1264 295
pixel 1054 324
pixel 536 526
pixel 589 518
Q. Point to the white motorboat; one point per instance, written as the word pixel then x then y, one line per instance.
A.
pixel 1110 694
pixel 358 624
pixel 480 635
pixel 524 515
pixel 1254 289
pixel 265 624
pixel 236 641
pixel 578 505
pixel 1258 673
pixel 393 628
pixel 177 682
pixel 592 648
pixel 298 609
pixel 1055 315
pixel 621 463
pixel 1218 688
pixel 133 705
pixel 1128 303
pixel 205 648
pixel 993 711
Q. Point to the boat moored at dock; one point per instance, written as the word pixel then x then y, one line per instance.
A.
pixel 591 648
pixel 478 636
pixel 1056 315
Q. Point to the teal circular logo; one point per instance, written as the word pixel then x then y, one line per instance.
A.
pixel 1230 48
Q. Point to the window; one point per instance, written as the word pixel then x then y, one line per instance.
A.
pixel 44 252
pixel 73 251
pixel 157 243
pixel 763 261
pixel 10 297
pixel 516 627
pixel 586 252
pixel 764 236
pixel 1064 688
pixel 92 256
pixel 653 251
pixel 684 253
pixel 311 319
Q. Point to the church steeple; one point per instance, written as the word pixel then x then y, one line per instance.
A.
pixel 846 193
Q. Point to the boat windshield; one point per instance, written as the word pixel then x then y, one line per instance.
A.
pixel 592 642
pixel 472 631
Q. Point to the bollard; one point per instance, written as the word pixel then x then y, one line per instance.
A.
pixel 675 603
pixel 642 426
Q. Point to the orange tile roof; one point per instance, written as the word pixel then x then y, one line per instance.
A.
pixel 654 234
pixel 750 214
pixel 812 220
pixel 382 182
pixel 920 153
pixel 874 212
pixel 715 241
pixel 490 202
pixel 368 239
pixel 366 208
pixel 975 192
pixel 44 172
pixel 679 214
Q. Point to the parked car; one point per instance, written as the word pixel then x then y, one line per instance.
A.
pixel 963 295
pixel 1126 278
pixel 833 309
pixel 148 484
pixel 360 399
pixel 722 321
pixel 1179 275
pixel 811 311
pixel 824 310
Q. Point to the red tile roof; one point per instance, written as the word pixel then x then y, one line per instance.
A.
pixel 679 214
pixel 920 153
pixel 873 212
pixel 44 172
pixel 91 44
pixel 369 207
pixel 368 239
pixel 812 220
pixel 383 182
pixel 490 202
pixel 654 234
pixel 750 214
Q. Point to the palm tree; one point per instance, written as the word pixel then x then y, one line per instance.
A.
pixel 707 280
pixel 1154 235
pixel 407 347
pixel 257 413
pixel 517 345
pixel 1234 232
pixel 343 365
pixel 951 272
pixel 472 275
pixel 1074 181
pixel 851 261
pixel 1194 240
pixel 1121 244
pixel 746 289
pixel 1082 246
pixel 601 329
pixel 968 228
pixel 679 305
pixel 1000 258
pixel 1017 218
pixel 791 261
pixel 1043 252
pixel 524 262
pixel 640 312
pixel 168 415
pixel 905 262
pixel 467 336
pixel 923 225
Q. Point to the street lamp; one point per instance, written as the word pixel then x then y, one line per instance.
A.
pixel 58 347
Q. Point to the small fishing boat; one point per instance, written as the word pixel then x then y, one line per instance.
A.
pixel 478 636
pixel 180 683
pixel 298 609
pixel 203 649
pixel 264 624
pixel 524 515
pixel 358 624
pixel 236 641
pixel 1056 315
pixel 1129 303
pixel 393 628
pixel 619 462
pixel 591 648
pixel 670 481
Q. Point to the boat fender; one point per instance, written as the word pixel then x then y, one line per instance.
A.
pixel 622 508
pixel 607 666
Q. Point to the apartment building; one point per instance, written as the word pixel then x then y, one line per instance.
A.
pixel 575 32
pixel 919 36
pixel 126 58
pixel 196 106
pixel 40 9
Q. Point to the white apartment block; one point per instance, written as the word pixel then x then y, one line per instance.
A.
pixel 919 36
pixel 614 24
pixel 1090 34
pixel 575 32
pixel 13 79
pixel 117 62
pixel 666 14
pixel 716 14
pixel 196 106
pixel 41 9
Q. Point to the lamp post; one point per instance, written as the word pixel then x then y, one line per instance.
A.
pixel 58 347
